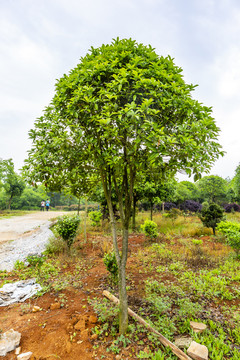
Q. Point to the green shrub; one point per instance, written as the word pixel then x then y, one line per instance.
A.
pixel 212 215
pixel 110 262
pixel 150 229
pixel 232 232
pixel 225 226
pixel 67 228
pixel 95 217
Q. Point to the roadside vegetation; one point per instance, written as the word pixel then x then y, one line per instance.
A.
pixel 182 274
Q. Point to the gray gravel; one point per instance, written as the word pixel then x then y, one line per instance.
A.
pixel 20 248
pixel 21 236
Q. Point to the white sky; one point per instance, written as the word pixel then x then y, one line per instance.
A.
pixel 40 40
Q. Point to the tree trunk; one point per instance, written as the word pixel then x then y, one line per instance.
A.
pixel 9 202
pixel 121 262
pixel 78 210
pixel 85 221
pixel 214 230
pixel 134 214
pixel 123 305
pixel 151 213
pixel 163 207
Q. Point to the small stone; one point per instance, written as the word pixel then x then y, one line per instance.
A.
pixel 197 351
pixel 24 356
pixel 80 325
pixel 197 327
pixel 36 309
pixel 18 350
pixel 183 342
pixel 94 336
pixel 55 306
pixel 84 335
pixel 118 357
pixel 93 319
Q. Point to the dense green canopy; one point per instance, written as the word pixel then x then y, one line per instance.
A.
pixel 122 111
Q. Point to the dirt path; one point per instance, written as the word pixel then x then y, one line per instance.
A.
pixel 18 226
pixel 23 235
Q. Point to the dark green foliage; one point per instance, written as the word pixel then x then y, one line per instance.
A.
pixel 110 262
pixel 67 228
pixel 212 215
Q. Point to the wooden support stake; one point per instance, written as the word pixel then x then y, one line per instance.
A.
pixel 179 353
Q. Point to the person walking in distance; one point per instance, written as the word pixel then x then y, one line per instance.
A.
pixel 42 205
pixel 47 205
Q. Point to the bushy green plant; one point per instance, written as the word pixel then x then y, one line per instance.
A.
pixel 110 262
pixel 150 229
pixel 232 232
pixel 95 217
pixel 211 216
pixel 225 226
pixel 67 228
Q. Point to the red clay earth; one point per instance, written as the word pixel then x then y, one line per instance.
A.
pixel 62 329
pixel 65 332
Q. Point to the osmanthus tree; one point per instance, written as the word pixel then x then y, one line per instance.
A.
pixel 120 111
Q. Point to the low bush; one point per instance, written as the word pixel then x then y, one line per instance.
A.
pixel 232 232
pixel 95 217
pixel 67 228
pixel 110 262
pixel 150 229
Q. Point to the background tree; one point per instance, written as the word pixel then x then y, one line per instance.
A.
pixel 192 187
pixel 236 183
pixel 181 193
pixel 12 183
pixel 154 190
pixel 212 188
pixel 212 215
pixel 120 110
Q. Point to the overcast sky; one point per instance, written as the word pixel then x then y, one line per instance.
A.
pixel 40 40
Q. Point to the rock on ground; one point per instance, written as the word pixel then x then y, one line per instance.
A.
pixel 9 341
pixel 197 351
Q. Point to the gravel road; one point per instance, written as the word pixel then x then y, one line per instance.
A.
pixel 24 235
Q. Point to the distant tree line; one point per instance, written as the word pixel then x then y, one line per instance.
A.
pixel 149 194
pixel 16 194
